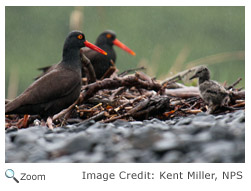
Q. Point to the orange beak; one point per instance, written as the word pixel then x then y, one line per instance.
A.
pixel 123 47
pixel 94 47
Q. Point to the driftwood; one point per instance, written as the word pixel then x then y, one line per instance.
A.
pixel 133 97
pixel 129 81
pixel 186 92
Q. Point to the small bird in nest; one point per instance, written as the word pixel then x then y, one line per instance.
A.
pixel 214 94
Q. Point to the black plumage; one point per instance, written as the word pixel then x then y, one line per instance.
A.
pixel 59 87
pixel 101 63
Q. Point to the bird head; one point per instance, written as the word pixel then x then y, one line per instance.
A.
pixel 76 39
pixel 201 72
pixel 109 37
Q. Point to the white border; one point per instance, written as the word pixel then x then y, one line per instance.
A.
pixel 68 176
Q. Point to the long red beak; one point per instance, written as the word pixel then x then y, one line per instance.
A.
pixel 94 47
pixel 124 47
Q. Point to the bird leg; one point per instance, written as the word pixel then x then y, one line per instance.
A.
pixel 211 108
pixel 88 68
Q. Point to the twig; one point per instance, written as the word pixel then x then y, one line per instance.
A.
pixel 178 76
pixel 109 72
pixel 241 104
pixel 63 112
pixel 113 83
pixel 115 118
pixel 97 117
pixel 129 102
pixel 131 70
pixel 143 76
pixel 117 92
pixel 234 84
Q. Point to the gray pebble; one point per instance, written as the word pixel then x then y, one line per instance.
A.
pixel 196 138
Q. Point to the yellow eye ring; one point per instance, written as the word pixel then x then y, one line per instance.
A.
pixel 108 36
pixel 80 36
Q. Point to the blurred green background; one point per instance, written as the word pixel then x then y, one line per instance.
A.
pixel 166 40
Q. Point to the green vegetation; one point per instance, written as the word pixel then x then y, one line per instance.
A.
pixel 163 38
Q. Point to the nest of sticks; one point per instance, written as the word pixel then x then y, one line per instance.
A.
pixel 131 97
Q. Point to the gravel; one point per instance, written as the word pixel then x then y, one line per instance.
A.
pixel 196 138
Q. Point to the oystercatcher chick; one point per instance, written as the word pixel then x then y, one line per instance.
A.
pixel 214 94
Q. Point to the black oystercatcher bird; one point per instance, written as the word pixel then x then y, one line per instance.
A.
pixel 101 63
pixel 211 91
pixel 59 87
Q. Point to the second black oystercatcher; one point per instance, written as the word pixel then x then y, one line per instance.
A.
pixel 101 63
pixel 59 87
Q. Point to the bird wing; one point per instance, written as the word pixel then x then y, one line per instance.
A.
pixel 213 89
pixel 45 70
pixel 54 84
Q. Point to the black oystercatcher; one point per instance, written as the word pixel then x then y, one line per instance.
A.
pixel 101 63
pixel 59 87
pixel 211 91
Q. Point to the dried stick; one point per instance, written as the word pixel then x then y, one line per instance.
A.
pixel 109 72
pixel 115 118
pixel 234 84
pixel 63 112
pixel 131 70
pixel 129 102
pixel 241 104
pixel 113 83
pixel 117 92
pixel 143 76
pixel 178 76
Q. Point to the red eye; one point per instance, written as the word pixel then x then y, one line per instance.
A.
pixel 80 36
pixel 108 35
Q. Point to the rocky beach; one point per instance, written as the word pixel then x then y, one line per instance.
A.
pixel 200 138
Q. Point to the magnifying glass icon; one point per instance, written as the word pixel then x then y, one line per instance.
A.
pixel 10 174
